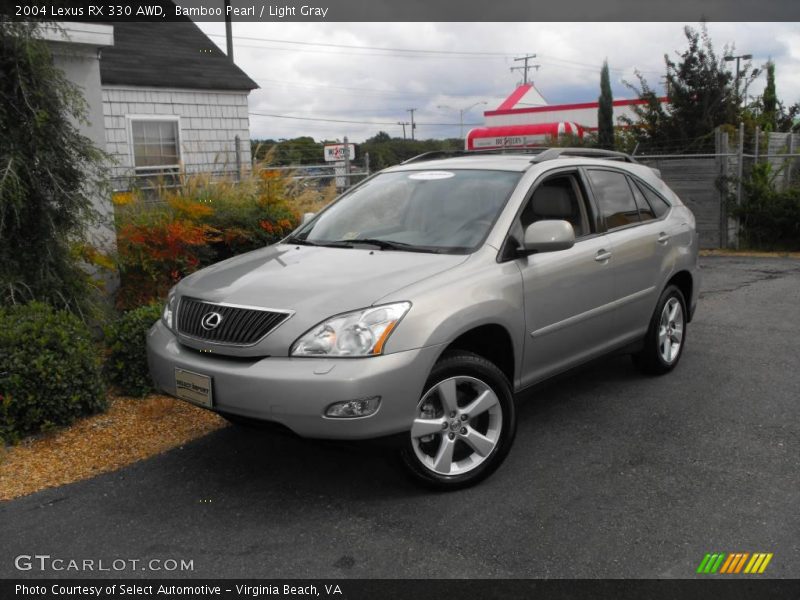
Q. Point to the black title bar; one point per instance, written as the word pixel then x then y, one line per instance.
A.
pixel 403 10
pixel 388 589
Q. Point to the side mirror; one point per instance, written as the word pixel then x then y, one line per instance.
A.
pixel 307 217
pixel 548 236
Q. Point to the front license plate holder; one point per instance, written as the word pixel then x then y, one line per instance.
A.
pixel 193 387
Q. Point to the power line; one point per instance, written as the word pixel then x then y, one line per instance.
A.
pixel 340 87
pixel 567 63
pixel 381 48
pixel 321 119
pixel 329 120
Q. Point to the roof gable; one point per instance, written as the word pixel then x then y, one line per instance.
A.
pixel 176 55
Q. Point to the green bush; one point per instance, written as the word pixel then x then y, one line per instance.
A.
pixel 770 217
pixel 49 370
pixel 126 363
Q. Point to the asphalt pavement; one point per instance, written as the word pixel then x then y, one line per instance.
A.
pixel 613 474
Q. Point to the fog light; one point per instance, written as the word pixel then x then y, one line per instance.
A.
pixel 352 409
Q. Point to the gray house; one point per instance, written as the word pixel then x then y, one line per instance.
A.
pixel 160 98
pixel 172 101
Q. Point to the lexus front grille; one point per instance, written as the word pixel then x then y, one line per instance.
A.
pixel 226 324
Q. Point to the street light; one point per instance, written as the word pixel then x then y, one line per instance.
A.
pixel 461 112
pixel 737 58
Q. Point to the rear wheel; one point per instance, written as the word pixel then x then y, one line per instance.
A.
pixel 666 336
pixel 464 423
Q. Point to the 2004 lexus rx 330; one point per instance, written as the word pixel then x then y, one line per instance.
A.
pixel 424 298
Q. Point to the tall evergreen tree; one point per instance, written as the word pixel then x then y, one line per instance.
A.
pixel 605 111
pixel 769 101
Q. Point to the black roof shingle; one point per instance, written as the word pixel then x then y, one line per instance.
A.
pixel 176 55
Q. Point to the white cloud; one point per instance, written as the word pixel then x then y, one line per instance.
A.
pixel 378 86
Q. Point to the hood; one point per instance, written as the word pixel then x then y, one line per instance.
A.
pixel 315 282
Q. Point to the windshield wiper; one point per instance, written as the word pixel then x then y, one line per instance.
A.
pixel 391 245
pixel 304 242
pixel 293 239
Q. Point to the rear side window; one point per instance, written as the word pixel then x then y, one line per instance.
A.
pixel 657 203
pixel 614 198
pixel 645 211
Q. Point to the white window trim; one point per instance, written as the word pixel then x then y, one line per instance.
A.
pixel 150 117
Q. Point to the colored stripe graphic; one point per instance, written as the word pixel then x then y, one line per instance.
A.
pixel 740 564
pixel 734 563
pixel 730 564
pixel 727 564
pixel 703 563
pixel 765 563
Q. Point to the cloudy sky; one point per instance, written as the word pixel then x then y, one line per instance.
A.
pixel 371 73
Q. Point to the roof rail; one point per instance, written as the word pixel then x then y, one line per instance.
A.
pixel 552 153
pixel 541 154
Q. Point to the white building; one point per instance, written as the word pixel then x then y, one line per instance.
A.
pixel 526 119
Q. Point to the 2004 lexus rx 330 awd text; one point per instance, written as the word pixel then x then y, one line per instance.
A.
pixel 422 300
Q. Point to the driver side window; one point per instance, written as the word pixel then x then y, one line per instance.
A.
pixel 558 197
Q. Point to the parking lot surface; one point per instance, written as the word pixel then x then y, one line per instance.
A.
pixel 613 474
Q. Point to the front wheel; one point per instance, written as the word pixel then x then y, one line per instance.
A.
pixel 464 423
pixel 666 336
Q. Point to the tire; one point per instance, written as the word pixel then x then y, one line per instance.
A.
pixel 666 335
pixel 464 423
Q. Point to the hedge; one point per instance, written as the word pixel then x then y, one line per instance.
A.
pixel 49 370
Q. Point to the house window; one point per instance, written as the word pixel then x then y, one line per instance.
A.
pixel 155 144
pixel 155 152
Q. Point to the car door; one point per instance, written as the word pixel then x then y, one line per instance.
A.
pixel 568 293
pixel 640 249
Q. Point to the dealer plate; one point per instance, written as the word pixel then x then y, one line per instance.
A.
pixel 194 387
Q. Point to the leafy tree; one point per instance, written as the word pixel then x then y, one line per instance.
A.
pixel 385 150
pixel 605 111
pixel 702 95
pixel 297 151
pixel 48 175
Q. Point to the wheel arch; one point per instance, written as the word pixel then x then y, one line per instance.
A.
pixel 684 281
pixel 493 342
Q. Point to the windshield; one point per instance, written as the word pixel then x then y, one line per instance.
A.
pixel 434 211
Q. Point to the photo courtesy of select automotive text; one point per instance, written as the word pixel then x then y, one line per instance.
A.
pixel 399 300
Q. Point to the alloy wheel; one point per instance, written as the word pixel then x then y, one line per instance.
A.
pixel 458 425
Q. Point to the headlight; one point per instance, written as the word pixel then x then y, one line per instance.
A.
pixel 169 309
pixel 359 333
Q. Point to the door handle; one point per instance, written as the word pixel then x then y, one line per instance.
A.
pixel 602 255
pixel 663 238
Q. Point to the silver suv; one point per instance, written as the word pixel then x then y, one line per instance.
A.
pixel 423 299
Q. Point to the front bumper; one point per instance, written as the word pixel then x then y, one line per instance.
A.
pixel 296 391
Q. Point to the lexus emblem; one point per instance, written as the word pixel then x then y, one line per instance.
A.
pixel 211 321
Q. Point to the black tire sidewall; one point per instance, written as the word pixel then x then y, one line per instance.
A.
pixel 653 358
pixel 470 365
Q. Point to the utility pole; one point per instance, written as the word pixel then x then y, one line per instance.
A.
pixel 665 81
pixel 413 125
pixel 346 163
pixel 525 67
pixel 461 112
pixel 228 32
pixel 403 123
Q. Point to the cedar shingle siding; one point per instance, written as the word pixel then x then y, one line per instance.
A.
pixel 174 70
